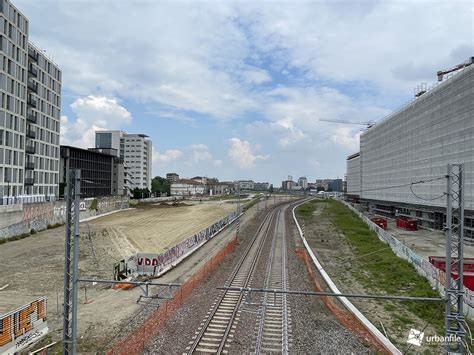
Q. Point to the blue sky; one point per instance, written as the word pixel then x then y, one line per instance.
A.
pixel 235 89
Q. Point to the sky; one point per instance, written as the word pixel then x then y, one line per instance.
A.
pixel 236 90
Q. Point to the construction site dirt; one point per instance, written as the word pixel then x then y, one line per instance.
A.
pixel 33 266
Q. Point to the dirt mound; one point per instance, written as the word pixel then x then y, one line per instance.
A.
pixel 170 204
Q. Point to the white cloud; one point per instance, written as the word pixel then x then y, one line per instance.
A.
pixel 346 137
pixel 200 153
pixel 255 76
pixel 169 155
pixel 93 113
pixel 275 63
pixel 241 153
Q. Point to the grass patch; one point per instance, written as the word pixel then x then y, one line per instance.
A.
pixel 384 272
pixel 227 197
pixel 17 237
pixel 251 203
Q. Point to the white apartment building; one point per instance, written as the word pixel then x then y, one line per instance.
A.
pixel 136 152
pixel 303 182
pixel 30 90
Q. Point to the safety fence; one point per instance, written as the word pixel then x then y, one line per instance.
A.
pixel 347 319
pixel 435 276
pixel 149 264
pixel 136 342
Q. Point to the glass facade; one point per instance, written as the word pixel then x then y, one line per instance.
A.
pixel 103 140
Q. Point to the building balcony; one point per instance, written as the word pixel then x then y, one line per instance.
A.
pixel 29 165
pixel 32 101
pixel 32 54
pixel 32 70
pixel 30 133
pixel 32 86
pixel 29 181
pixel 30 149
pixel 31 117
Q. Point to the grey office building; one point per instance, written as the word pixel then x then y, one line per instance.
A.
pixel 30 89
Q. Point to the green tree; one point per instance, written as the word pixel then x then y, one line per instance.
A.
pixel 160 185
pixel 136 192
pixel 271 188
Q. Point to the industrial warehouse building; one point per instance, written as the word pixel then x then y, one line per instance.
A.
pixel 416 143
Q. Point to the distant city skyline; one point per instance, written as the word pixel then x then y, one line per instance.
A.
pixel 236 90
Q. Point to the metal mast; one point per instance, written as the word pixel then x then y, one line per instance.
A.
pixel 238 211
pixel 455 330
pixel 73 186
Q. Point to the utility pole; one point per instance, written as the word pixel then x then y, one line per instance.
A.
pixel 73 187
pixel 455 324
pixel 238 211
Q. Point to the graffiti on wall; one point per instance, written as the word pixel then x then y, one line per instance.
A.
pixel 152 264
pixel 38 211
pixel 23 326
pixel 38 216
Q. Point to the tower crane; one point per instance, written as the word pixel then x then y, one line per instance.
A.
pixel 441 73
pixel 368 123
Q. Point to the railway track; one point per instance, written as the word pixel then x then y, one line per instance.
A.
pixel 273 327
pixel 216 331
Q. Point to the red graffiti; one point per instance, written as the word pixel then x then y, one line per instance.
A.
pixel 34 212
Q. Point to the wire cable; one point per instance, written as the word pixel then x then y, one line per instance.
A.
pixel 402 185
pixel 426 199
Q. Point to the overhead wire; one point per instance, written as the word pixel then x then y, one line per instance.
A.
pixel 410 185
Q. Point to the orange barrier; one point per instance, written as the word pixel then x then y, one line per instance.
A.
pixel 136 341
pixel 347 319
pixel 123 286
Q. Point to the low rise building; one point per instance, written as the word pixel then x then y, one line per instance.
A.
pixel 172 177
pixel 221 188
pixel 188 187
pixel 261 186
pixel 246 185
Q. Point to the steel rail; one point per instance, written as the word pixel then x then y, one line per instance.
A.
pixel 330 294
pixel 260 236
pixel 261 323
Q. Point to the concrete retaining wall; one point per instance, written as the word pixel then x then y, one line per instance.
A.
pixel 156 199
pixel 22 219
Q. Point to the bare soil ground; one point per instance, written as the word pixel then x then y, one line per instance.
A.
pixel 155 228
pixel 337 257
pixel 33 267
